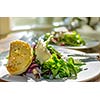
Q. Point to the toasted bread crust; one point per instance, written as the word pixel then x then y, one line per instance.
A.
pixel 20 57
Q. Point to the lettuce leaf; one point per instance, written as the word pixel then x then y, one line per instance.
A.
pixel 59 68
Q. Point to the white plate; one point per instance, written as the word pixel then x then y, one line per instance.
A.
pixel 90 43
pixel 93 70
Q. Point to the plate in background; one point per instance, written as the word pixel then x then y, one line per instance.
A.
pixel 90 43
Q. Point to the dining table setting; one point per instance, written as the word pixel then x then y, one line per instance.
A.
pixel 83 55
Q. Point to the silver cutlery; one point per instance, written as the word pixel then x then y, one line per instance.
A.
pixel 87 55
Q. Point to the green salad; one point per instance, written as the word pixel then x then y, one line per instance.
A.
pixel 65 38
pixel 48 63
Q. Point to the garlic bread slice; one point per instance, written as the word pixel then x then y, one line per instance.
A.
pixel 20 57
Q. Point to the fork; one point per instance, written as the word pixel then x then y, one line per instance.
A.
pixel 89 55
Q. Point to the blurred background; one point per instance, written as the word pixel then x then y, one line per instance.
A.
pixel 84 25
pixel 28 28
pixel 88 24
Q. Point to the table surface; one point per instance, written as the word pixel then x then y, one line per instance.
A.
pixel 90 50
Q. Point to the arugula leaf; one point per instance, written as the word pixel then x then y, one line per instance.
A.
pixel 63 38
pixel 60 68
pixel 55 67
pixel 53 51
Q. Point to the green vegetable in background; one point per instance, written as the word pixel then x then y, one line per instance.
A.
pixel 65 38
pixel 73 39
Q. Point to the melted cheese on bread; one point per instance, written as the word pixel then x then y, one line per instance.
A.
pixel 20 57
